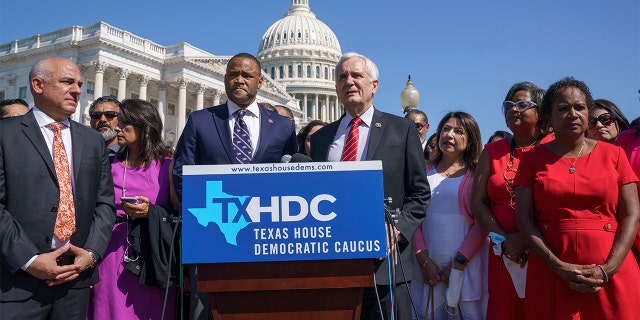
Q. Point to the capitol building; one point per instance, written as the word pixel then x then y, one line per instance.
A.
pixel 298 54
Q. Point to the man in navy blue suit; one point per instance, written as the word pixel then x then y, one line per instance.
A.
pixel 207 136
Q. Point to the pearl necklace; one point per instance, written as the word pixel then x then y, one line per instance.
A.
pixel 572 169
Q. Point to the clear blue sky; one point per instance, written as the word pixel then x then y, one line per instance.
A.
pixel 462 55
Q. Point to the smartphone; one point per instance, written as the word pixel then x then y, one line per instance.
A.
pixel 131 200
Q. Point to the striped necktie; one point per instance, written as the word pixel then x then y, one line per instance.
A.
pixel 350 151
pixel 241 139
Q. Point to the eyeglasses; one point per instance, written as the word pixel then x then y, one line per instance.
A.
pixel 419 126
pixel 522 105
pixel 605 118
pixel 108 114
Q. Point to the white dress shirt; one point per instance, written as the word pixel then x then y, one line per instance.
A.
pixel 336 147
pixel 251 118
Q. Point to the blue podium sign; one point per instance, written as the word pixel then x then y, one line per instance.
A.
pixel 283 212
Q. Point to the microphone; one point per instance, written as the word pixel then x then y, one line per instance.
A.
pixel 295 158
pixel 299 157
pixel 286 158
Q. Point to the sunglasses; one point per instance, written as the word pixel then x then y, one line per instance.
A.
pixel 108 114
pixel 605 118
pixel 522 105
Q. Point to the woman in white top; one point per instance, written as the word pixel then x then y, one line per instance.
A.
pixel 449 238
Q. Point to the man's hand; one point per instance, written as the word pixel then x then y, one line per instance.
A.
pixel 83 261
pixel 45 266
pixel 392 238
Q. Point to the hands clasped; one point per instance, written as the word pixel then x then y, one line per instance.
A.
pixel 582 278
pixel 45 266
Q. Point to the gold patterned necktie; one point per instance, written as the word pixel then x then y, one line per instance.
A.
pixel 66 219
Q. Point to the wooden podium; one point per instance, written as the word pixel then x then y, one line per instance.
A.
pixel 326 289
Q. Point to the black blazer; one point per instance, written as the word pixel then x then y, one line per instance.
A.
pixel 29 197
pixel 394 141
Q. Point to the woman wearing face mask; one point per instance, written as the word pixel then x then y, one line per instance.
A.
pixel 449 244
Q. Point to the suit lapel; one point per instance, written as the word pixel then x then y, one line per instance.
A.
pixel 266 130
pixel 77 140
pixel 221 120
pixel 330 131
pixel 375 133
pixel 32 131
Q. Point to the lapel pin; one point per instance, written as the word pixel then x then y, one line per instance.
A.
pixel 378 125
pixel 270 121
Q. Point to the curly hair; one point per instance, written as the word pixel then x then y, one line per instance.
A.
pixel 555 88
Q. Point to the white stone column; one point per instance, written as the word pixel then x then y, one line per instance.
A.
pixel 304 106
pixel 200 97
pixel 216 97
pixel 122 83
pixel 326 110
pixel 316 106
pixel 162 102
pixel 144 81
pixel 99 68
pixel 182 106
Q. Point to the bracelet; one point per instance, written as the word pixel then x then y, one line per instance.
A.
pixel 604 273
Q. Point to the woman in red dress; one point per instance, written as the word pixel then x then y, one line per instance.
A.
pixel 577 207
pixel 493 198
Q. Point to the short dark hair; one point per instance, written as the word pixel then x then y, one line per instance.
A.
pixel 100 100
pixel 249 56
pixel 302 135
pixel 286 109
pixel 554 90
pixel 415 112
pixel 614 111
pixel 534 91
pixel 145 117
pixel 537 94
pixel 500 133
pixel 7 102
pixel 267 106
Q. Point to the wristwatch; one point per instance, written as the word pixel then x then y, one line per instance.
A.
pixel 461 259
pixel 94 256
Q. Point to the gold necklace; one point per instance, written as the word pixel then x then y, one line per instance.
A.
pixel 572 169
pixel 524 148
pixel 450 172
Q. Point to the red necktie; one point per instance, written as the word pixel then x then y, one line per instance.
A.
pixel 350 151
pixel 66 218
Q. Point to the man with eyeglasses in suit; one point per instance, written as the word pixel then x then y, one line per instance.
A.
pixel 104 118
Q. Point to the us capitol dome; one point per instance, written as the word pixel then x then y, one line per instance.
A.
pixel 300 52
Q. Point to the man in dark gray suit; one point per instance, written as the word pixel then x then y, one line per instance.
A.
pixel 46 274
pixel 394 141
